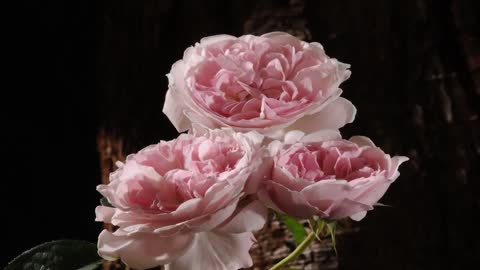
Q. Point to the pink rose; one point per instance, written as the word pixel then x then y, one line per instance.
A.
pixel 181 203
pixel 322 175
pixel 270 83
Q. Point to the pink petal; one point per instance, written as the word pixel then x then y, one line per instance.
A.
pixel 333 189
pixel 287 201
pixel 345 208
pixel 334 116
pixel 358 216
pixel 362 141
pixel 142 250
pixel 165 224
pixel 174 105
pixel 216 251
pixel 324 193
pixel 340 199
pixel 248 219
pixel 285 178
pixel 215 39
pixel 322 135
pixel 393 170
pixel 374 192
pixel 220 194
pixel 209 222
pixel 318 49
pixel 203 118
pixel 104 213
pixel 283 38
pixel 275 70
pixel 257 177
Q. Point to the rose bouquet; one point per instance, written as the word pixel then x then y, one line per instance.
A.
pixel 262 115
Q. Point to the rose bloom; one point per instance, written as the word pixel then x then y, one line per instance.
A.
pixel 182 204
pixel 323 175
pixel 270 83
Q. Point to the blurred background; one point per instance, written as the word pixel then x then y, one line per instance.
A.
pixel 89 84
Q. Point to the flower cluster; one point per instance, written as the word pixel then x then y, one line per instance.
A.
pixel 262 114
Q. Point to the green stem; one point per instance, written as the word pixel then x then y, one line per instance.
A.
pixel 300 248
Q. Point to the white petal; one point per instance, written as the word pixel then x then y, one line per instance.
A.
pixel 293 136
pixel 142 250
pixel 216 251
pixel 274 147
pixel 322 135
pixel 255 137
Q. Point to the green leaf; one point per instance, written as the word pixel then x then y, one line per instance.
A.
pixel 104 201
pixel 58 255
pixel 296 228
pixel 317 226
pixel 332 229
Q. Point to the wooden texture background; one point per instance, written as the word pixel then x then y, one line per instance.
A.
pixel 415 82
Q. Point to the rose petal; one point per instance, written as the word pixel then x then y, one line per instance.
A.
pixel 216 251
pixel 393 170
pixel 321 194
pixel 274 147
pixel 248 219
pixel 104 213
pixel 321 135
pixel 285 178
pixel 358 216
pixel 362 141
pixel 206 119
pixel 287 201
pixel 293 136
pixel 142 251
pixel 257 177
pixel 373 192
pixel 209 222
pixel 173 109
pixel 215 38
pixel 283 38
pixel 334 116
pixel 324 193
pixel 345 208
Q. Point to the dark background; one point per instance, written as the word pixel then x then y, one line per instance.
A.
pixel 50 109
pixel 81 68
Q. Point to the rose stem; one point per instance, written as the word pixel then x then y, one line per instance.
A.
pixel 300 248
